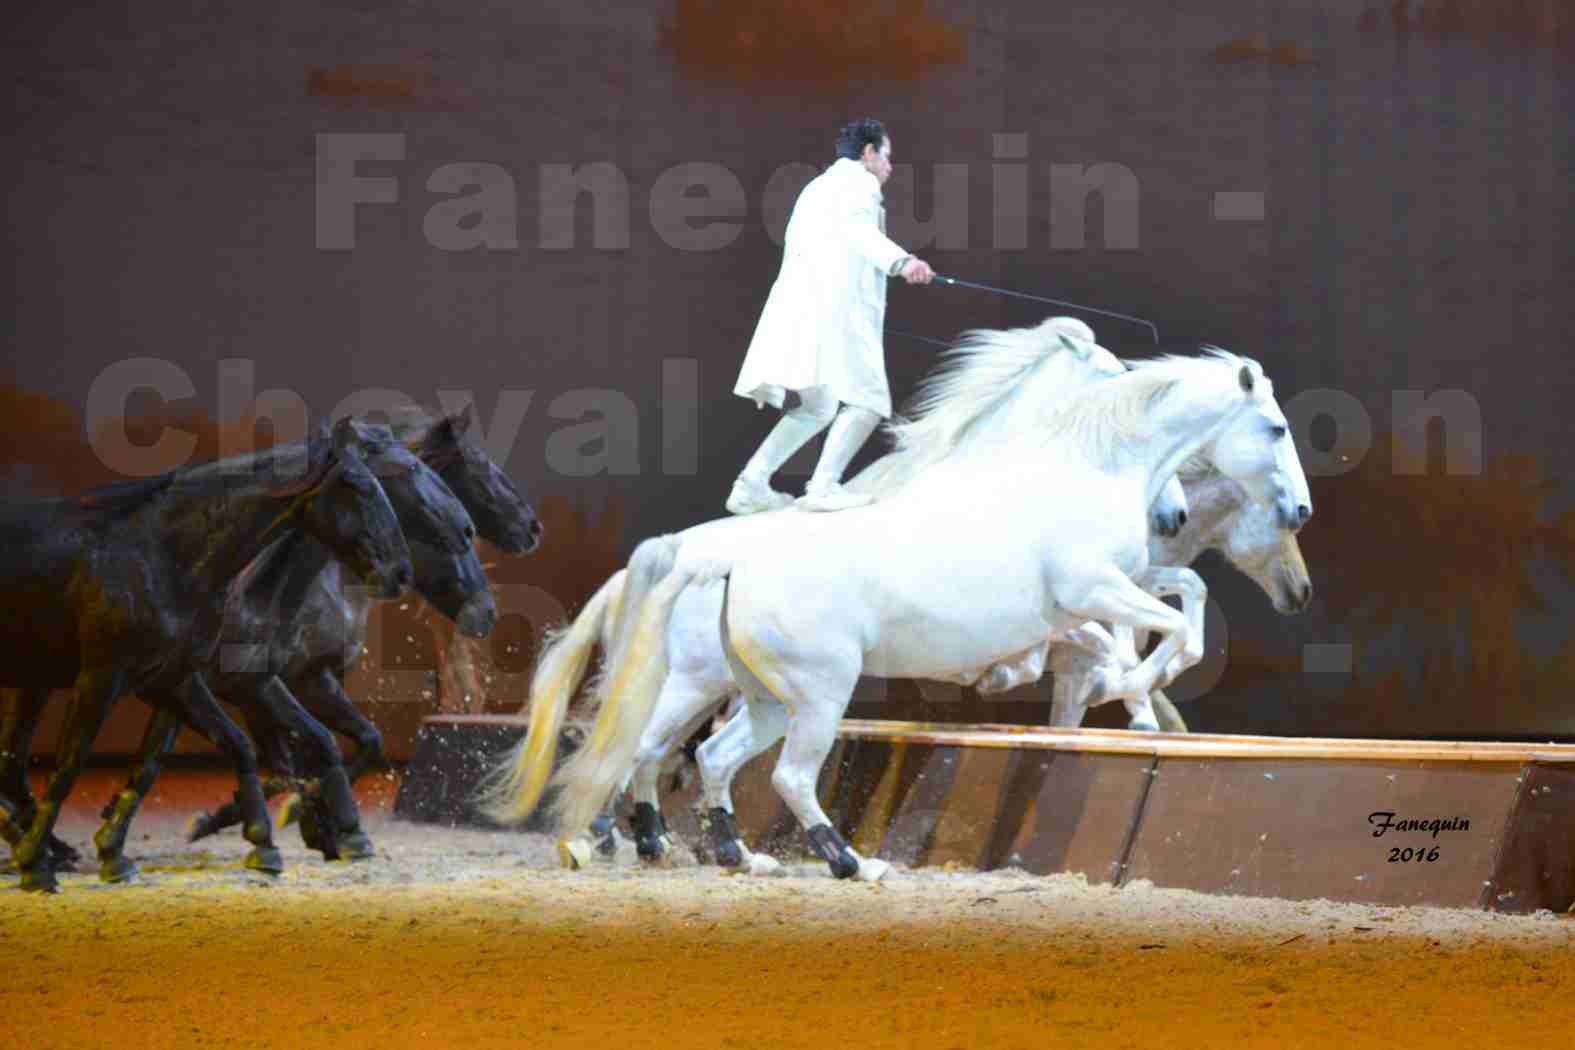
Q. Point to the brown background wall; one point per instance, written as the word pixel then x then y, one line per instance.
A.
pixel 1414 161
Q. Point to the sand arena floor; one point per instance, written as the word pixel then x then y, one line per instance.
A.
pixel 470 939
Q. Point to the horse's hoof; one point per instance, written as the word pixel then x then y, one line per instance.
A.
pixel 290 809
pixel 356 846
pixel 762 865
pixel 574 854
pixel 265 859
pixel 62 855
pixel 871 870
pixel 118 869
pixel 658 852
pixel 40 880
pixel 730 854
pixel 1143 725
pixel 199 826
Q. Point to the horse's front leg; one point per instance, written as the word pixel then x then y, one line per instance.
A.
pixel 1162 581
pixel 274 743
pixel 323 695
pixel 276 701
pixel 1111 597
pixel 1140 709
pixel 203 713
pixel 1165 712
pixel 110 841
pixel 97 690
pixel 20 712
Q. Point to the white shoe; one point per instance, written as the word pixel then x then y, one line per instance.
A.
pixel 751 497
pixel 833 497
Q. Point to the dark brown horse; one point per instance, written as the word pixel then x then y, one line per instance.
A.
pixel 315 673
pixel 299 619
pixel 124 590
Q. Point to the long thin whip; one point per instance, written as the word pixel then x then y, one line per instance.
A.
pixel 1153 329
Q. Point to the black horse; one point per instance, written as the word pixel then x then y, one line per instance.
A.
pixel 290 623
pixel 123 589
pixel 503 517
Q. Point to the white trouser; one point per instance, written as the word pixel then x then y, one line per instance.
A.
pixel 853 427
pixel 793 431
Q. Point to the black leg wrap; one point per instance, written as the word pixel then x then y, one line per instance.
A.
pixel 317 829
pixel 338 802
pixel 830 847
pixel 648 827
pixel 722 829
pixel 602 829
pixel 256 825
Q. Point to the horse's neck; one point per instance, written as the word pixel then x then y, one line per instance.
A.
pixel 1212 501
pixel 288 581
pixel 337 599
pixel 1178 432
pixel 214 532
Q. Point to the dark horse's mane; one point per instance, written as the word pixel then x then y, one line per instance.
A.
pixel 119 498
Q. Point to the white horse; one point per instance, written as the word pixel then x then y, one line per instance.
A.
pixel 1056 524
pixel 991 384
pixel 699 681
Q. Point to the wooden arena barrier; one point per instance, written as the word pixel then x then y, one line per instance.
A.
pixel 1481 825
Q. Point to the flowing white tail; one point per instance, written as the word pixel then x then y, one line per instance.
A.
pixel 634 612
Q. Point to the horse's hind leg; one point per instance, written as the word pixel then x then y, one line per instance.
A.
pixel 750 732
pixel 682 707
pixel 815 687
pixel 97 689
pixel 157 739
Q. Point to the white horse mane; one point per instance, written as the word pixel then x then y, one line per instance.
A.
pixel 979 375
pixel 1108 416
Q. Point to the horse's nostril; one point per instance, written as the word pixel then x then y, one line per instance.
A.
pixel 1306 595
pixel 1303 512
pixel 402 576
pixel 1181 518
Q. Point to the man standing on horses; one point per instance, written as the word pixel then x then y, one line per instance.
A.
pixel 819 336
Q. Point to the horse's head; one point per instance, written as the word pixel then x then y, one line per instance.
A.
pixel 345 509
pixel 1251 536
pixel 1169 512
pixel 456 586
pixel 1254 448
pixel 428 511
pixel 502 514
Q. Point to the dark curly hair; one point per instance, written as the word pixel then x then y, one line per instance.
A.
pixel 852 139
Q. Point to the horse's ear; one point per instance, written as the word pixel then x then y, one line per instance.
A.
pixel 1245 378
pixel 348 432
pixel 460 421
